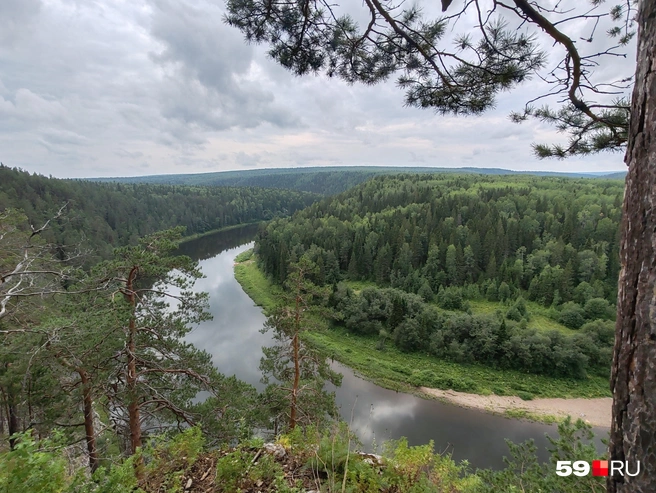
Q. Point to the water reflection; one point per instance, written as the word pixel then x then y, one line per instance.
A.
pixel 378 414
pixel 234 340
pixel 233 337
pixel 207 247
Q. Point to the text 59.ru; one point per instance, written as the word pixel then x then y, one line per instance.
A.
pixel 599 468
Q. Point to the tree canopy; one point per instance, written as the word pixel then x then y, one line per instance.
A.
pixel 100 216
pixel 458 61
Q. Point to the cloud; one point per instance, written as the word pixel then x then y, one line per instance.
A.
pixel 109 86
pixel 247 160
pixel 208 67
pixel 127 154
pixel 18 19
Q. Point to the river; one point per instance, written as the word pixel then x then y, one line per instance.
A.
pixel 234 340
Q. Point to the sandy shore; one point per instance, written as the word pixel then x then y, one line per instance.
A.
pixel 596 412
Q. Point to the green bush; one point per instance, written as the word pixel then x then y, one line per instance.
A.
pixel 513 314
pixel 33 466
pixel 450 298
pixel 598 309
pixel 422 378
pixel 523 471
pixel 231 469
pixel 572 316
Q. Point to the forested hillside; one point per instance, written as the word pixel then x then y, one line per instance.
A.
pixel 105 215
pixel 489 253
pixel 97 357
pixel 323 180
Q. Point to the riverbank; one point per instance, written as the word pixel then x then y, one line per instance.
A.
pixel 596 412
pixel 507 392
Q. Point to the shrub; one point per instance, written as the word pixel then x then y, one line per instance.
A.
pixel 513 314
pixel 572 316
pixel 598 309
pixel 26 468
pixel 450 298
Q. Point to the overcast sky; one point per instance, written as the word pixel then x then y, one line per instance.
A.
pixel 137 87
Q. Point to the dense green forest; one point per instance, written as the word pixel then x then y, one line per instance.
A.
pixel 95 366
pixel 105 215
pixel 430 250
pixel 328 180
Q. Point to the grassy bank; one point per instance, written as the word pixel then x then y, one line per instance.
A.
pixel 396 370
pixel 255 283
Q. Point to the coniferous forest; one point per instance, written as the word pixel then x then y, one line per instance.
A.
pixel 429 249
pixel 106 215
pixel 326 180
pixel 95 302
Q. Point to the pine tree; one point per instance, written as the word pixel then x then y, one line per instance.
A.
pixel 157 373
pixel 295 373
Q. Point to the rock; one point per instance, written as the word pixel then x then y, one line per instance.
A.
pixel 371 459
pixel 275 449
pixel 189 483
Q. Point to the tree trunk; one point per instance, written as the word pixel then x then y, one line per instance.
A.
pixel 12 421
pixel 633 376
pixel 133 406
pixel 297 366
pixel 88 420
pixel 12 417
pixel 131 380
pixel 294 404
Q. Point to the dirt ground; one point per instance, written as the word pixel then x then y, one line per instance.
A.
pixel 596 412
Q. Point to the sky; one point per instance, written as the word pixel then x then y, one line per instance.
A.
pixel 92 88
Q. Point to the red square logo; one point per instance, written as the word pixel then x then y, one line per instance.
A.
pixel 600 468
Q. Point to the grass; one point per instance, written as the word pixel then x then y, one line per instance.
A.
pixel 396 370
pixel 528 415
pixel 358 286
pixel 538 314
pixel 244 256
pixel 254 282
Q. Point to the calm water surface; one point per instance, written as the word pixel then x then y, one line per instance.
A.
pixel 234 340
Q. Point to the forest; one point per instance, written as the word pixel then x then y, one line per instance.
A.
pixel 414 258
pixel 325 180
pixel 100 216
pixel 94 353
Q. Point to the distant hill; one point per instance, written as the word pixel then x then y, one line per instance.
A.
pixel 323 180
pixel 620 175
pixel 105 215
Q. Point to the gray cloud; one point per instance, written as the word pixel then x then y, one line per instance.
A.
pixel 247 160
pixel 208 67
pixel 18 19
pixel 112 87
